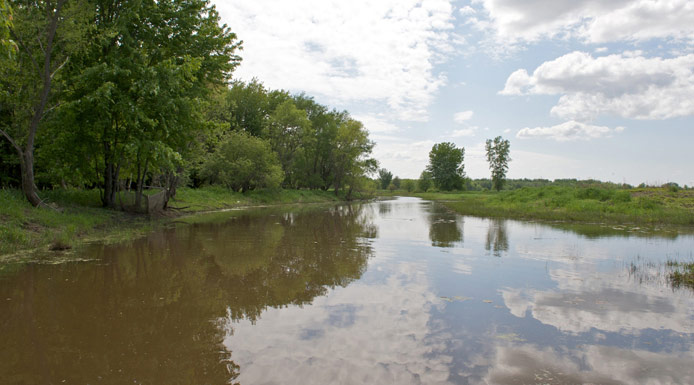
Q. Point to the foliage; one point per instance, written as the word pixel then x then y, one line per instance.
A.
pixel 498 158
pixel 446 166
pixel 287 130
pixel 137 91
pixel 578 204
pixel 7 45
pixel 243 163
pixel 409 185
pixel 384 178
pixel 397 182
pixel 424 183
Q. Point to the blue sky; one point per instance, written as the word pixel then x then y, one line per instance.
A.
pixel 581 88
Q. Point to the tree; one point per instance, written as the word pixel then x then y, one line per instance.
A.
pixel 384 177
pixel 396 182
pixel 351 156
pixel 287 129
pixel 497 156
pixel 243 163
pixel 136 94
pixel 424 182
pixel 409 185
pixel 446 166
pixel 46 33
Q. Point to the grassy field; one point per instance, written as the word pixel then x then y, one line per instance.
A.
pixel 78 216
pixel 570 204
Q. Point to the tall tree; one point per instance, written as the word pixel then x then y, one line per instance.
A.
pixel 446 166
pixel 498 158
pixel 384 178
pixel 351 156
pixel 46 34
pixel 136 95
pixel 287 130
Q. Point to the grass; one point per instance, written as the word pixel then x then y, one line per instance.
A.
pixel 216 198
pixel 650 206
pixel 80 217
pixel 682 274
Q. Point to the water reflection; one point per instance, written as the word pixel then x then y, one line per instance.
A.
pixel 381 293
pixel 497 238
pixel 149 311
pixel 444 229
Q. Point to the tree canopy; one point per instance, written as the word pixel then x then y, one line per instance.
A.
pixel 498 158
pixel 120 95
pixel 446 166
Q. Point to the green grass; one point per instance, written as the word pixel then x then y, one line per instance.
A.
pixel 682 274
pixel 573 204
pixel 80 218
pixel 216 198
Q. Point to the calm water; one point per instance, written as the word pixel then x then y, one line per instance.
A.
pixel 402 292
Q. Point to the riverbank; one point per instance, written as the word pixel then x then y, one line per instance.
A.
pixel 647 206
pixel 78 216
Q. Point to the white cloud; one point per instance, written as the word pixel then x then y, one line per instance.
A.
pixel 376 124
pixel 463 116
pixel 593 21
pixel 470 131
pixel 626 85
pixel 359 50
pixel 333 340
pixel 570 130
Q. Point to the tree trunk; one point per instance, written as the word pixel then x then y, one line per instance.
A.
pixel 28 187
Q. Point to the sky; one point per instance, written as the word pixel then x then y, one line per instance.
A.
pixel 581 88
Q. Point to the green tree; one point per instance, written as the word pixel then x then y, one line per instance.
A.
pixel 384 177
pixel 409 185
pixel 446 166
pixel 498 158
pixel 351 156
pixel 287 130
pixel 48 34
pixel 137 93
pixel 243 163
pixel 424 183
pixel 396 182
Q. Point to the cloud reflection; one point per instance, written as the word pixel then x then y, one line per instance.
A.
pixel 364 333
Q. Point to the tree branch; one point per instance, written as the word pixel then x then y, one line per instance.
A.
pixel 12 142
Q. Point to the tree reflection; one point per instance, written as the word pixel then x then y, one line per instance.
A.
pixel 148 311
pixel 497 238
pixel 444 230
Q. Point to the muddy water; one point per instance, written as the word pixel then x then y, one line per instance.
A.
pixel 402 292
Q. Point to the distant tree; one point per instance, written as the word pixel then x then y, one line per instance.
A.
pixel 497 156
pixel 446 166
pixel 396 182
pixel 409 185
pixel 243 163
pixel 424 182
pixel 384 177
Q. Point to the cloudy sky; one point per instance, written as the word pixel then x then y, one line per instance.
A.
pixel 581 88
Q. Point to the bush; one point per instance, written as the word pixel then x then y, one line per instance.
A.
pixel 243 163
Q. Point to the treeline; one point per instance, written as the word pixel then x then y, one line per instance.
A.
pixel 119 95
pixel 486 184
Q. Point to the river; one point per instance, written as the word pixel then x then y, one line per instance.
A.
pixel 391 292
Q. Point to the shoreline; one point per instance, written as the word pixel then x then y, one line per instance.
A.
pixel 27 232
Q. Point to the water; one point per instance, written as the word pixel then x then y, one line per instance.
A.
pixel 402 292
